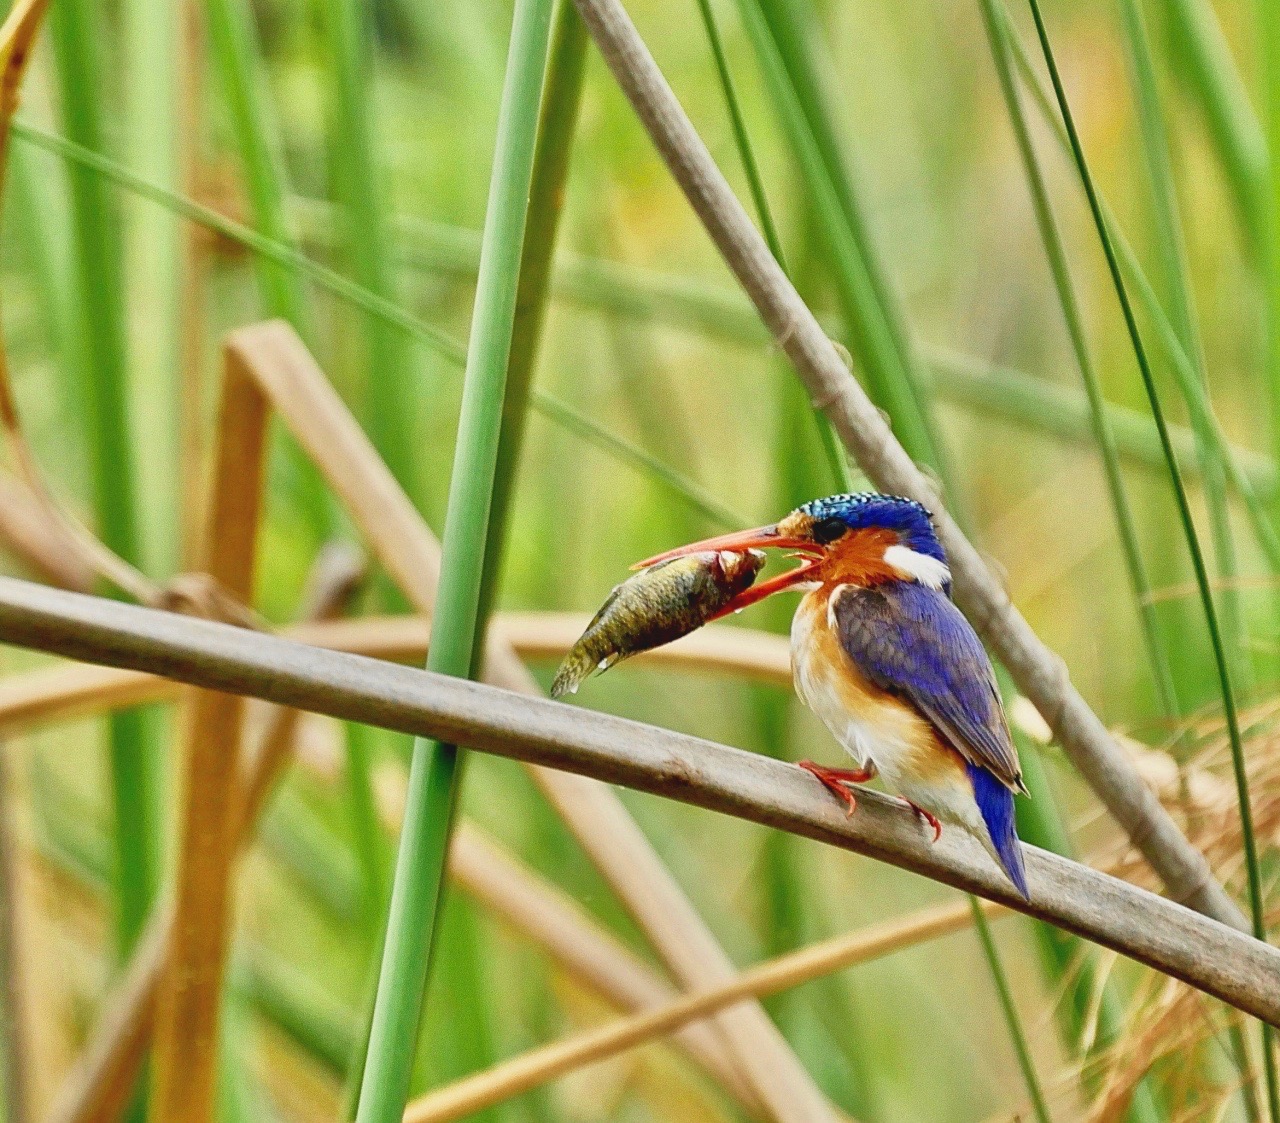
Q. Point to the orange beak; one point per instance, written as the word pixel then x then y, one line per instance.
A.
pixel 761 538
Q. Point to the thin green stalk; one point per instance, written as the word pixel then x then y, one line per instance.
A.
pixel 631 291
pixel 1269 226
pixel 100 358
pixel 780 33
pixel 233 40
pixel 561 98
pixel 1204 421
pixel 1256 903
pixel 751 168
pixel 1051 239
pixel 1011 1015
pixel 285 255
pixel 1208 70
pixel 429 808
pixel 153 266
pixel 366 242
pixel 1172 250
pixel 389 378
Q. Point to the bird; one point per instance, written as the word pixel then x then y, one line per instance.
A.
pixel 883 656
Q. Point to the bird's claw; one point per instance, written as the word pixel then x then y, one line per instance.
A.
pixel 836 781
pixel 929 818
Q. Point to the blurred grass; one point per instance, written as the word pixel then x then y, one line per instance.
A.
pixel 672 418
pixel 97 355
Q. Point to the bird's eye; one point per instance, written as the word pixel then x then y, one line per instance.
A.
pixel 826 531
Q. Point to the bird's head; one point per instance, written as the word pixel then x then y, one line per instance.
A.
pixel 860 539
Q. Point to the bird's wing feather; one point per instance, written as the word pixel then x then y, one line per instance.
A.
pixel 913 641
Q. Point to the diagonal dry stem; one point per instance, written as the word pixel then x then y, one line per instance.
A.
pixel 402 542
pixel 540 1066
pixel 1039 673
pixel 1218 959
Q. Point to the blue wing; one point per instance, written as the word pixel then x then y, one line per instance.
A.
pixel 913 641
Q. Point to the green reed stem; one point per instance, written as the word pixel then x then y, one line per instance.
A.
pixel 561 98
pixel 424 838
pixel 1011 1016
pixel 1205 424
pixel 366 242
pixel 374 305
pixel 100 359
pixel 1172 250
pixel 781 34
pixel 1051 238
pixel 640 293
pixel 237 61
pixel 1269 226
pixel 755 184
pixel 1256 903
pixel 1207 69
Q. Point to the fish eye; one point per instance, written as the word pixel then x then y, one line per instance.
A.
pixel 825 531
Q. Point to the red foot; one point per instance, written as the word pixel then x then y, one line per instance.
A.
pixel 932 820
pixel 836 779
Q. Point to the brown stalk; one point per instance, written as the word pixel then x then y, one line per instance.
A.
pixel 541 1066
pixel 25 533
pixel 1213 957
pixel 99 1086
pixel 402 542
pixel 187 1006
pixel 1039 673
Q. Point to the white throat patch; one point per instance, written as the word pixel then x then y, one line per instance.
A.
pixel 917 566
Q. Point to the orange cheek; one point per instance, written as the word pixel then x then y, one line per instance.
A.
pixel 858 558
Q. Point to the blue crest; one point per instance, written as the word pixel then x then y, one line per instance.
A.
pixel 867 509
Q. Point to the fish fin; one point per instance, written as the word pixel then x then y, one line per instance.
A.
pixel 995 803
pixel 573 672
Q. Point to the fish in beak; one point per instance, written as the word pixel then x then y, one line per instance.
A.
pixel 771 537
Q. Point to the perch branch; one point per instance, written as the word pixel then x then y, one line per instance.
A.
pixel 1217 959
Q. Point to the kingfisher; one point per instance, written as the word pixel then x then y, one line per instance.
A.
pixel 882 655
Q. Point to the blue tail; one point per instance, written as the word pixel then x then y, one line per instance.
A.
pixel 995 801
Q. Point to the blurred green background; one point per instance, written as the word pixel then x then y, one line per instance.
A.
pixel 377 162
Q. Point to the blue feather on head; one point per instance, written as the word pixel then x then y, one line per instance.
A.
pixel 867 509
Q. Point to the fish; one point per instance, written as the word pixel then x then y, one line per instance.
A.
pixel 659 604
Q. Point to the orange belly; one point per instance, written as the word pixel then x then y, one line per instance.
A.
pixel 874 725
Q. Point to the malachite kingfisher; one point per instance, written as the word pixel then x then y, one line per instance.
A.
pixel 880 652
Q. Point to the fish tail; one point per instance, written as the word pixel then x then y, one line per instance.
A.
pixel 995 802
pixel 577 667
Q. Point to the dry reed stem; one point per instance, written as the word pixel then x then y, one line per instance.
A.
pixel 540 1066
pixel 25 533
pixel 403 543
pixel 1218 959
pixel 100 1084
pixel 190 995
pixel 1039 673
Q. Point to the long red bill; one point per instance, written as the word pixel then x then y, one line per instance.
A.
pixel 761 538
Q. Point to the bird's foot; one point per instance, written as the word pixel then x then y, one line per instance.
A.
pixel 836 781
pixel 929 818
